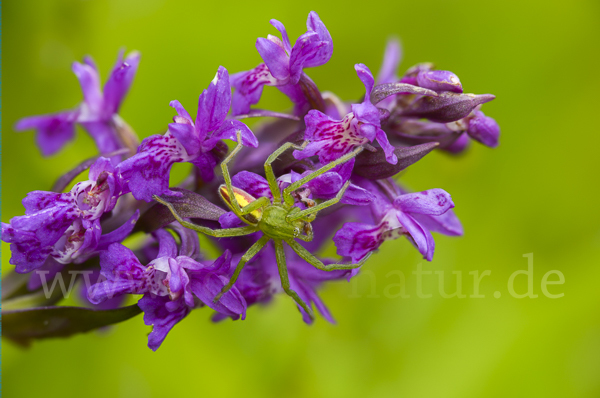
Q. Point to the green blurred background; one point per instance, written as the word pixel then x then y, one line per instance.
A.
pixel 536 193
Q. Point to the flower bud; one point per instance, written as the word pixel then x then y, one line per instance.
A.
pixel 446 107
pixel 439 80
pixel 484 129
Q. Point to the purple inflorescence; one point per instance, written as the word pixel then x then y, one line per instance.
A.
pixel 397 121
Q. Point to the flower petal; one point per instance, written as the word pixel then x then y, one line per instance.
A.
pixel 147 172
pixel 90 85
pixel 252 183
pixel 53 131
pixel 213 104
pixel 167 247
pixel 284 36
pixel 433 202
pixel 161 316
pixel 329 139
pixel 325 50
pixel 356 240
pixel 391 60
pixel 229 130
pixel 366 77
pixel 119 81
pixel 186 135
pixel 248 88
pixel 118 234
pixel 105 136
pixel 421 237
pixel 447 223
pixel 274 57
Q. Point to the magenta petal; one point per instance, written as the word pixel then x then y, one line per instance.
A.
pixel 167 247
pixel 229 130
pixel 90 85
pixel 206 163
pixel 304 294
pixel 433 202
pixel 326 185
pixel 366 77
pixel 162 317
pixel 119 81
pixel 356 240
pixel 104 134
pixel 100 165
pixel 248 88
pixel 388 148
pixel 275 57
pixel 213 104
pixel 36 201
pixel 53 131
pixel 325 49
pixel 329 139
pixel 181 112
pixel 186 135
pixel 147 172
pixel 296 95
pixel 254 184
pixel 118 234
pixel 284 36
pixel 305 49
pixel 447 223
pixel 420 236
pixel 206 286
pixel 230 220
pixel 357 196
pixel 391 60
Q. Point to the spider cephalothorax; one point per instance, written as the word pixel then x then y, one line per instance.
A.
pixel 279 220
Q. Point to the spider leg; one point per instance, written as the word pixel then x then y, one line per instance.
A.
pixel 227 177
pixel 269 168
pixel 285 280
pixel 218 233
pixel 255 248
pixel 315 262
pixel 320 206
pixel 287 193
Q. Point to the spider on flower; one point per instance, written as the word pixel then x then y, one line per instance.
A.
pixel 279 220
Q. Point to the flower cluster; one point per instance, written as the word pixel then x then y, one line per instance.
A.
pixel 327 159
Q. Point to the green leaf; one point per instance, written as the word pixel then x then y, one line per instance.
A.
pixel 23 326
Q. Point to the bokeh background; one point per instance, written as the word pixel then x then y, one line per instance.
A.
pixel 536 193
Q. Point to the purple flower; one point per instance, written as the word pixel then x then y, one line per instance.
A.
pixel 170 284
pixel 331 139
pixel 283 65
pixel 395 214
pixel 147 172
pixel 98 113
pixel 66 226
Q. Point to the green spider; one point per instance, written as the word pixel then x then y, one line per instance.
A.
pixel 279 221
